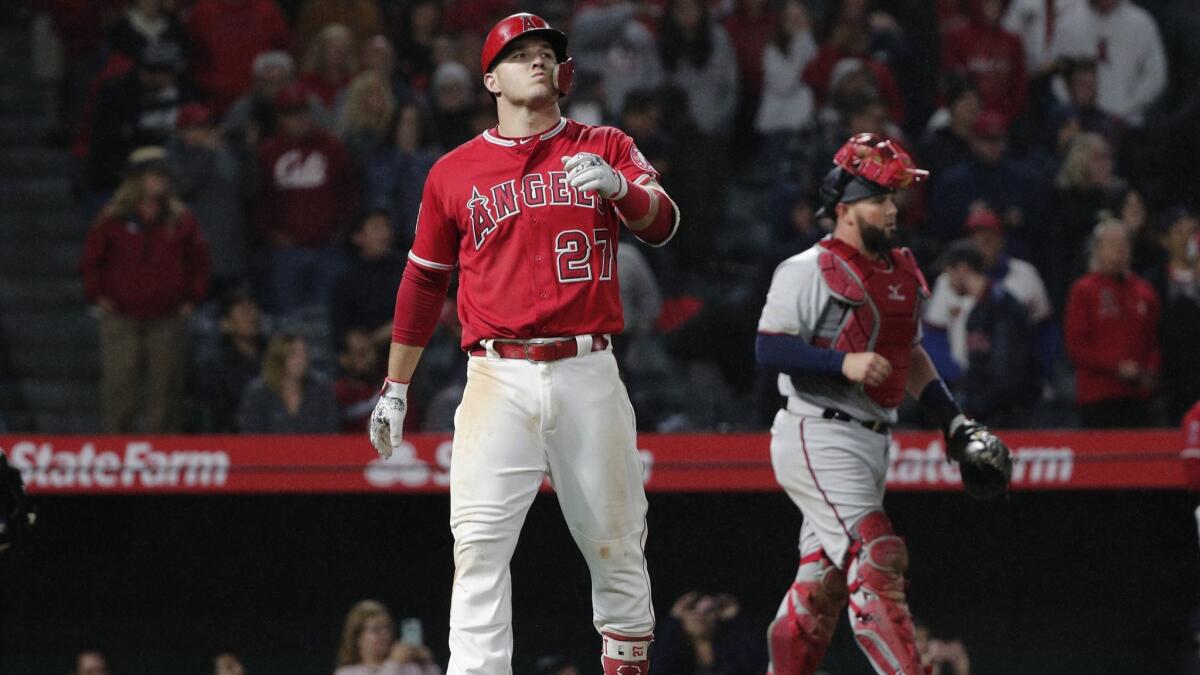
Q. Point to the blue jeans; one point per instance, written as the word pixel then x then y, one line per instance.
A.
pixel 302 276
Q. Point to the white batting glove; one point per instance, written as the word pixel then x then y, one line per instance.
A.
pixel 387 420
pixel 588 172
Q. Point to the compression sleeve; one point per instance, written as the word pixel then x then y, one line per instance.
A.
pixel 418 304
pixel 794 356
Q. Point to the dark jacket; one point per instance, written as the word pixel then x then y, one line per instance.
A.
pixel 1001 378
pixel 364 295
pixel 127 116
pixel 263 412
pixel 222 381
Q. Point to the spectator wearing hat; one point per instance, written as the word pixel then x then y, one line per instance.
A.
pixel 237 360
pixel 306 189
pixel 251 118
pixel 947 310
pixel 226 37
pixel 1178 330
pixel 989 176
pixel 134 110
pixel 999 382
pixel 211 180
pixel 1111 328
pixel 145 266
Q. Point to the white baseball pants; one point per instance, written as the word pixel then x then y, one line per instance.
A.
pixel 519 422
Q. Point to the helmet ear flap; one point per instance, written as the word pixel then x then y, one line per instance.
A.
pixel 832 189
pixel 564 75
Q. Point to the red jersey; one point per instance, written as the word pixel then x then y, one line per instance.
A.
pixel 1110 320
pixel 1191 447
pixel 536 257
pixel 995 61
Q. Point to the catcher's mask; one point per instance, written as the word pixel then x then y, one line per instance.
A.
pixel 865 166
pixel 523 25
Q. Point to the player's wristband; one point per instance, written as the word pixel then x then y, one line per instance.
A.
pixel 940 407
pixel 394 389
pixel 634 204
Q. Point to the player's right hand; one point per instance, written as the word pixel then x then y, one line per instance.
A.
pixel 868 368
pixel 387 420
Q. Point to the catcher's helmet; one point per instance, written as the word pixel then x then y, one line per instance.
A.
pixel 865 166
pixel 518 26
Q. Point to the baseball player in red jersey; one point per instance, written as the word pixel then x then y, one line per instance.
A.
pixel 529 213
pixel 841 325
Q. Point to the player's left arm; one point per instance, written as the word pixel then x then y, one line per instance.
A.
pixel 983 458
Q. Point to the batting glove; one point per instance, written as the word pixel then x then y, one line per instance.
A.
pixel 387 420
pixel 588 172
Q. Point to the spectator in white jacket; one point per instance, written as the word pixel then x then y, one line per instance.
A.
pixel 1125 43
pixel 369 645
pixel 787 102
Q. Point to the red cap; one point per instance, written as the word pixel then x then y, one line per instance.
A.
pixel 292 97
pixel 989 124
pixel 983 219
pixel 193 115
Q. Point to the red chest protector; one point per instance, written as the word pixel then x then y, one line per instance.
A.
pixel 882 301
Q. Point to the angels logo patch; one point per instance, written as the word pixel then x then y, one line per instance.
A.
pixel 640 159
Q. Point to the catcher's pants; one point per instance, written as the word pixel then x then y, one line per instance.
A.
pixel 833 470
pixel 518 422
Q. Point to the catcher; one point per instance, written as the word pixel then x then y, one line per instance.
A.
pixel 16 514
pixel 841 327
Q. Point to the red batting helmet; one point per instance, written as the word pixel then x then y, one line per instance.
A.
pixel 868 165
pixel 525 25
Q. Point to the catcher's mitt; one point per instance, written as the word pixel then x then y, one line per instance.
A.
pixel 983 459
pixel 16 513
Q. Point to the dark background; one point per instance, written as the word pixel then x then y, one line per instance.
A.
pixel 1081 582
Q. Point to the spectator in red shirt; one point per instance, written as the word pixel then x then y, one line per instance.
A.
pixel 145 266
pixel 991 56
pixel 1191 449
pixel 1112 335
pixel 306 194
pixel 226 35
pixel 357 387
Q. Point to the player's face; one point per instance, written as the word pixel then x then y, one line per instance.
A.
pixel 876 220
pixel 525 75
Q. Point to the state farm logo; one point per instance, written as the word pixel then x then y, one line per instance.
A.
pixel 138 465
pixel 928 465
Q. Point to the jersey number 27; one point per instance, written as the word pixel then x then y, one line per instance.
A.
pixel 574 258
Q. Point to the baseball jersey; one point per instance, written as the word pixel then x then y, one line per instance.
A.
pixel 536 257
pixel 801 303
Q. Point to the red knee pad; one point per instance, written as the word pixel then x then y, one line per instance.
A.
pixel 879 615
pixel 798 640
pixel 624 655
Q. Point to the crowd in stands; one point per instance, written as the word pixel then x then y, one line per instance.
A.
pixel 253 169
